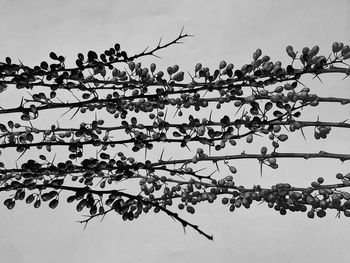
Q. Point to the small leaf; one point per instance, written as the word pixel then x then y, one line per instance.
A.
pixel 11 205
pixel 233 169
pixel 222 64
pixel 37 203
pixel 179 76
pixel 198 67
pixel 44 65
pixel 53 204
pixel 92 55
pixel 249 138
pixel 10 124
pixel 53 56
pixel 30 199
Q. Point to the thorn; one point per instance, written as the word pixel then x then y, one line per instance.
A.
pixel 318 78
pixel 301 83
pixel 177 109
pixel 217 166
pixel 166 113
pixel 239 109
pixel 302 132
pixel 211 174
pixel 103 216
pixel 53 158
pixel 182 30
pixel 200 170
pixel 161 156
pixel 66 112
pixel 338 214
pixel 160 40
pixel 74 114
pixel 74 95
pixel 156 56
pixel 184 227
pixel 21 154
pixel 145 49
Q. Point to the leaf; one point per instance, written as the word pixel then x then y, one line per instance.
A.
pixel 10 124
pixel 53 56
pixel 53 204
pixel 92 55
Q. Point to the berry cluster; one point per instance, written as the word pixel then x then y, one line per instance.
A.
pixel 268 95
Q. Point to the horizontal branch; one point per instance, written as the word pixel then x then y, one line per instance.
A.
pixel 276 155
pixel 137 198
pixel 176 125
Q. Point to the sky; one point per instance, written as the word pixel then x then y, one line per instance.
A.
pixel 229 30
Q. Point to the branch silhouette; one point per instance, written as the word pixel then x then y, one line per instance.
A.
pixel 266 101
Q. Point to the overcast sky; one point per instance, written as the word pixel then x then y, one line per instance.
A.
pixel 230 30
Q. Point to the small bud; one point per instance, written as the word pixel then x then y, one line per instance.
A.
pixel 336 47
pixel 233 169
pixel 249 138
pixel 198 67
pixel 222 64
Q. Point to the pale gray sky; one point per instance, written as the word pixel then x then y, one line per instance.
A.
pixel 230 30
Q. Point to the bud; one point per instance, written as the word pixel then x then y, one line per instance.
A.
pixel 257 54
pixel 314 51
pixel 229 178
pixel 153 67
pixel 131 65
pixel 170 70
pixel 305 50
pixel 249 138
pixel 290 52
pixel 222 64
pixel 336 47
pixel 263 150
pixel 232 170
pixel 179 76
pixel 347 55
pixel 198 67
pixel 175 68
